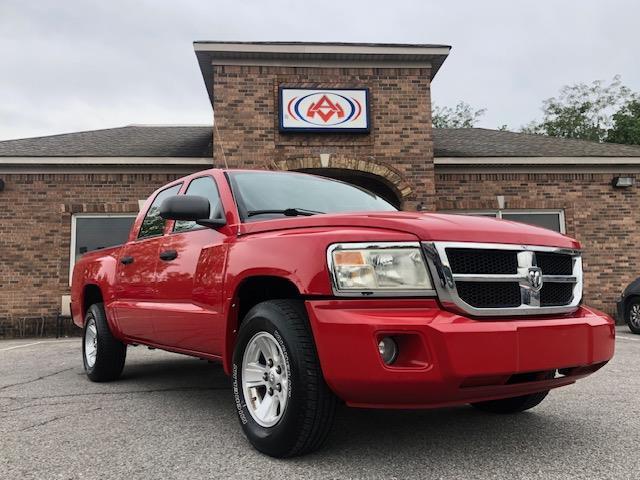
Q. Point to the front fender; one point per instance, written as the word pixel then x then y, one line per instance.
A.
pixel 297 255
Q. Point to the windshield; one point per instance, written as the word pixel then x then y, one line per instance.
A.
pixel 262 195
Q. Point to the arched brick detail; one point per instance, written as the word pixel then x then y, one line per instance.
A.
pixel 394 178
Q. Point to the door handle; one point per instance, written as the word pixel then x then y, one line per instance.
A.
pixel 168 255
pixel 126 260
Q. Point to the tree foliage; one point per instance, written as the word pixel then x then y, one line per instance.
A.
pixel 626 124
pixel 582 111
pixel 460 116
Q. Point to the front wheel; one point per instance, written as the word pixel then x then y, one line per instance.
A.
pixel 283 403
pixel 633 315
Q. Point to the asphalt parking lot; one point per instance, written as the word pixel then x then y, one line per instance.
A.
pixel 173 417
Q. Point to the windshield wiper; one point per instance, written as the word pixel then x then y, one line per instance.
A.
pixel 287 212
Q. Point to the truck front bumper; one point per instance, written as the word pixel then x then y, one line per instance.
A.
pixel 447 359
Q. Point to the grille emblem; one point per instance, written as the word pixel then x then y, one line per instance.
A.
pixel 534 277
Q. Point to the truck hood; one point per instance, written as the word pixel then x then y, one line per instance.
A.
pixel 426 227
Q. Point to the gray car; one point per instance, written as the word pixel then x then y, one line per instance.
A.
pixel 629 306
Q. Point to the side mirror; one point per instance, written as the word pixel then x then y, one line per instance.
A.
pixel 190 208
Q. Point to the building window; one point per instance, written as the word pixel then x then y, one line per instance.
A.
pixel 95 231
pixel 551 219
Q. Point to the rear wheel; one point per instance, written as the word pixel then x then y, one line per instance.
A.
pixel 283 403
pixel 633 315
pixel 103 355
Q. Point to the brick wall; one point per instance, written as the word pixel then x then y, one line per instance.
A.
pixel 603 219
pixel 35 234
pixel 400 141
pixel 35 228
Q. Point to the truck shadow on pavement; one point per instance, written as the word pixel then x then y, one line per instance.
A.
pixel 372 436
pixel 182 369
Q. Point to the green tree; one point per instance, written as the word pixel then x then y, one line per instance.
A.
pixel 460 116
pixel 583 111
pixel 626 124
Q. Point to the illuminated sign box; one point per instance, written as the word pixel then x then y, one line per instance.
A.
pixel 344 110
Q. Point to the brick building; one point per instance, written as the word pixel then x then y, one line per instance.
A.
pixel 63 195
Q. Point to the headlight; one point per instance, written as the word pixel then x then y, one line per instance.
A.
pixel 392 268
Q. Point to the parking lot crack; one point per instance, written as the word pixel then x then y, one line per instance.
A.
pixel 46 404
pixel 4 387
pixel 54 419
pixel 127 392
pixel 40 424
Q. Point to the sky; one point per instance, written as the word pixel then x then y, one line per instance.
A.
pixel 72 65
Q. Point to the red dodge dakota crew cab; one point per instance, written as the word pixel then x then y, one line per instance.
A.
pixel 312 291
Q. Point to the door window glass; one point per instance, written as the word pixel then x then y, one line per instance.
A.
pixel 153 223
pixel 203 187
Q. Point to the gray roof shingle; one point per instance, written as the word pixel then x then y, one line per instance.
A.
pixel 481 142
pixel 196 141
pixel 129 141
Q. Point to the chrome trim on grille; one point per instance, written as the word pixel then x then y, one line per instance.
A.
pixel 530 278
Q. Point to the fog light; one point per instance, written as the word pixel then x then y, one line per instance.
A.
pixel 388 350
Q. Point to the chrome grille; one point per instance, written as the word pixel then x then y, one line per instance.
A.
pixel 555 294
pixel 468 260
pixel 554 263
pixel 490 295
pixel 496 279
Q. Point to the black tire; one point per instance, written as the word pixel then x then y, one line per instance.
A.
pixel 111 352
pixel 634 326
pixel 512 405
pixel 307 418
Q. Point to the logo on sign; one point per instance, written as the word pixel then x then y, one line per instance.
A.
pixel 324 108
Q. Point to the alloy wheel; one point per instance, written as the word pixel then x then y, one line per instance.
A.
pixel 91 343
pixel 265 377
pixel 634 315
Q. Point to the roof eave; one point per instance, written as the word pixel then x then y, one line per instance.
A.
pixel 316 54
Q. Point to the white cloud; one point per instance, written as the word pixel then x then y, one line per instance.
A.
pixel 80 64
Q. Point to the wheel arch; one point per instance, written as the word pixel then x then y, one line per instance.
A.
pixel 250 291
pixel 633 296
pixel 633 289
pixel 91 294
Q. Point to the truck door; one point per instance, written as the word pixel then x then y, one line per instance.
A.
pixel 189 278
pixel 136 290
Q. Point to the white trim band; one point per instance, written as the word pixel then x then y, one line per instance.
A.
pixel 160 161
pixel 479 161
pixel 321 49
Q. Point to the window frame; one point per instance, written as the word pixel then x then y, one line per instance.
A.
pixel 74 227
pixel 530 211
pixel 197 227
pixel 138 238
pixel 242 209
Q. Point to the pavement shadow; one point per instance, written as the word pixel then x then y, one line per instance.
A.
pixel 376 437
pixel 178 370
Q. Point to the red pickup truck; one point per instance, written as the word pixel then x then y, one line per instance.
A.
pixel 312 291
